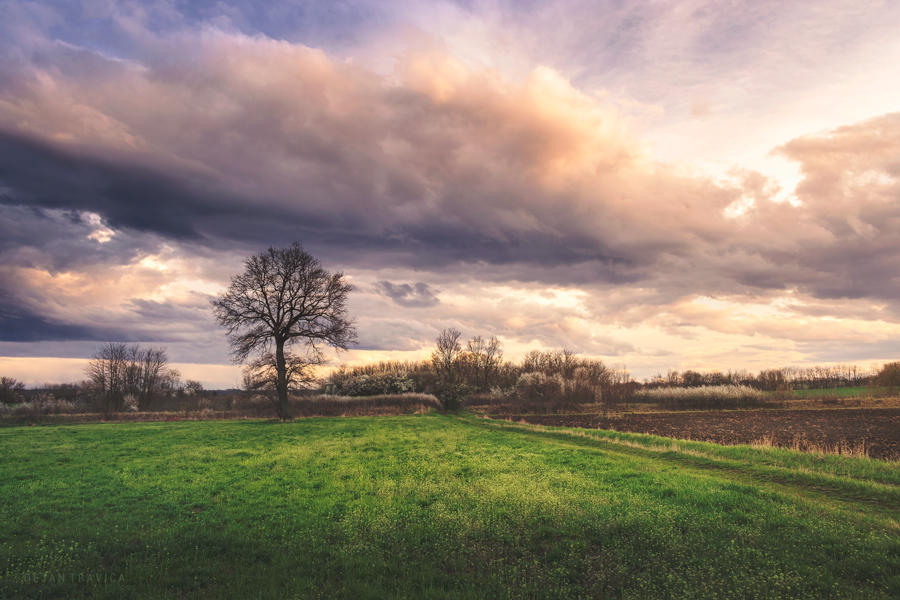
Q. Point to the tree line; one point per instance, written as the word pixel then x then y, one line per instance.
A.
pixel 783 378
pixel 119 377
pixel 476 372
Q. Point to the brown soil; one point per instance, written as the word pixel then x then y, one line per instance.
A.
pixel 875 429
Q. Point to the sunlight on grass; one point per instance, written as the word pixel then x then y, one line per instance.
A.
pixel 431 506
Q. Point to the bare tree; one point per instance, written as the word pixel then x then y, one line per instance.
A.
pixel 280 314
pixel 485 357
pixel 447 353
pixel 616 387
pixel 889 376
pixel 117 370
pixel 107 372
pixel 446 360
pixel 155 373
pixel 192 387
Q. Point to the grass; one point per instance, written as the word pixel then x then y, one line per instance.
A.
pixel 845 392
pixel 433 506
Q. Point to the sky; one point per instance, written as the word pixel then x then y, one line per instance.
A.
pixel 660 184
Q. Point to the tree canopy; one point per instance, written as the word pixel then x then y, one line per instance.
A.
pixel 280 315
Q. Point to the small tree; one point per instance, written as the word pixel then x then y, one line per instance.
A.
pixel 485 356
pixel 280 314
pixel 11 390
pixel 117 370
pixel 446 359
pixel 193 387
pixel 889 376
pixel 617 386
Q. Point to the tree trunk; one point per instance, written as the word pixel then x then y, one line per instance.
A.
pixel 282 387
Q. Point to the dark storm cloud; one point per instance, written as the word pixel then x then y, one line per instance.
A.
pixel 128 196
pixel 190 208
pixel 18 324
pixel 418 295
pixel 170 312
pixel 301 147
pixel 59 240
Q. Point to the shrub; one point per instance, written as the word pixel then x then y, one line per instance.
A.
pixel 580 389
pixel 43 404
pixel 451 395
pixel 25 409
pixel 337 406
pixel 535 392
pixel 11 391
pixel 379 384
pixel 193 387
pixel 583 388
pixel 530 386
pixel 709 396
pixel 889 376
pixel 130 403
pixel 258 405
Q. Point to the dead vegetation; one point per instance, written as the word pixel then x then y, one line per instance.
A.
pixel 238 406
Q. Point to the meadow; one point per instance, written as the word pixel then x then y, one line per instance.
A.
pixel 846 392
pixel 433 506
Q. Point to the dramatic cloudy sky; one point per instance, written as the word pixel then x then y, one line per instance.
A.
pixel 663 184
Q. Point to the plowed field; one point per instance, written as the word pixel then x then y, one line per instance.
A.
pixel 875 429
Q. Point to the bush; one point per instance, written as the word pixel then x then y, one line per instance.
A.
pixel 256 405
pixel 530 386
pixel 583 388
pixel 130 403
pixel 709 396
pixel 360 406
pixel 451 395
pixel 25 409
pixel 42 405
pixel 889 376
pixel 378 384
pixel 580 389
pixel 535 392
pixel 11 391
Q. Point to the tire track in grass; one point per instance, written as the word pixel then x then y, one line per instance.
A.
pixel 884 504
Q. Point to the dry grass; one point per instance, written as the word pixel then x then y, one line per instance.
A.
pixel 257 407
pixel 364 406
pixel 502 404
pixel 798 443
pixel 707 396
pixel 801 444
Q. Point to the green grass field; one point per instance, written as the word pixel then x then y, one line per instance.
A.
pixel 845 392
pixel 433 506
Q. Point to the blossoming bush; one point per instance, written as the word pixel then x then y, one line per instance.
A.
pixel 707 396
pixel 379 384
pixel 130 403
